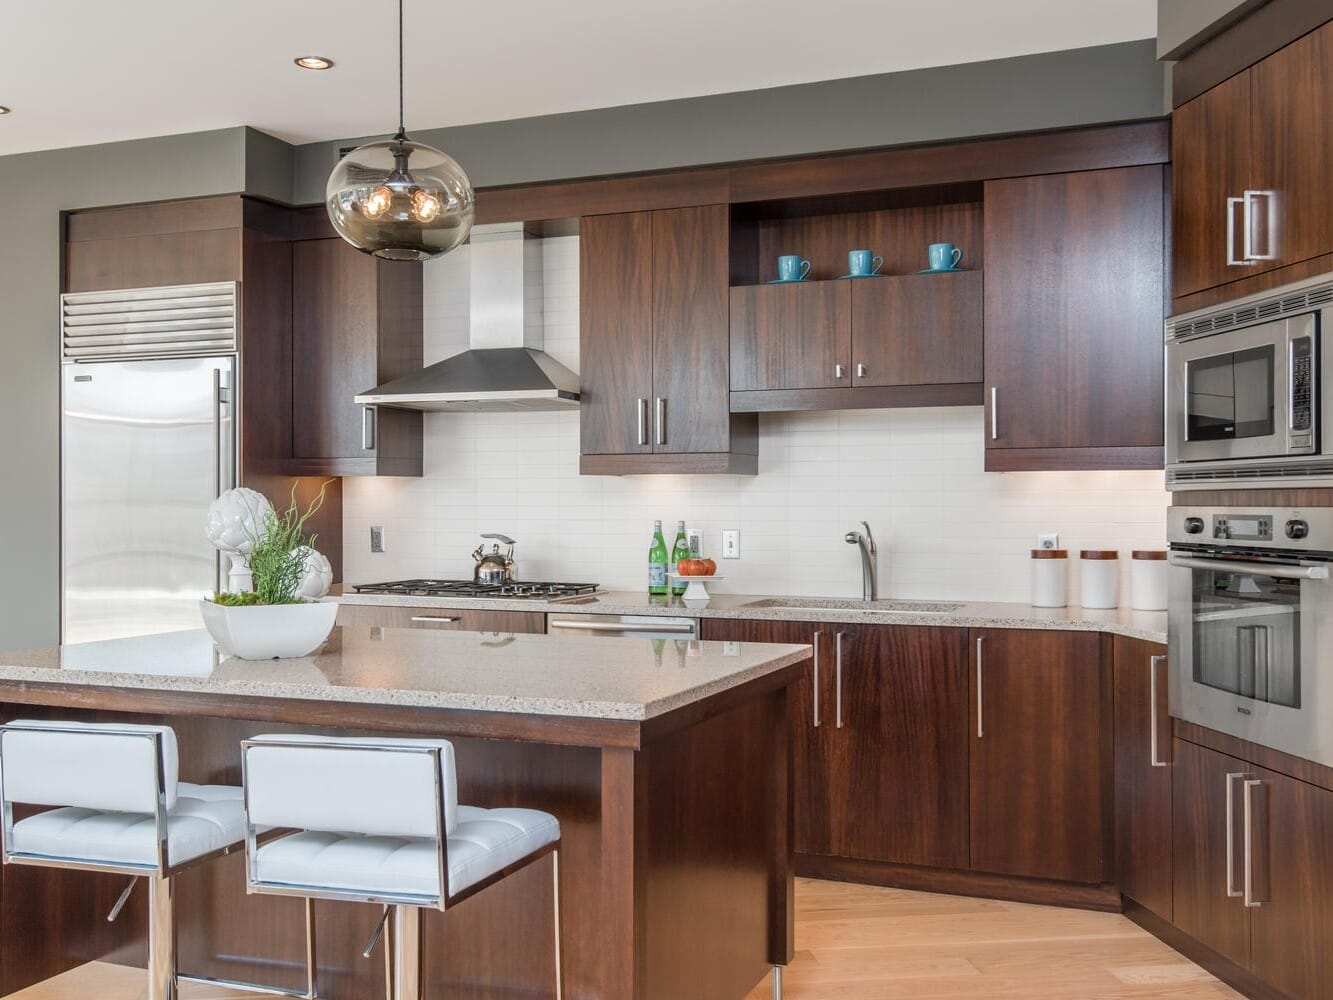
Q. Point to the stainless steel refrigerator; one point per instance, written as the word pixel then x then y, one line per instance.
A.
pixel 147 444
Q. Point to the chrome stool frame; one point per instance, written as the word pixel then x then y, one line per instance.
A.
pixel 401 919
pixel 163 977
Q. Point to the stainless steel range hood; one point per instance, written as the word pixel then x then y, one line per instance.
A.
pixel 505 367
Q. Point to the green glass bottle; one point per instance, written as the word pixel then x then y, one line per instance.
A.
pixel 657 562
pixel 680 550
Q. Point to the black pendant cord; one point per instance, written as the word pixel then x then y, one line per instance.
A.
pixel 402 130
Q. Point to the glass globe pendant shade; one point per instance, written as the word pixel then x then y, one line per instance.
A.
pixel 400 200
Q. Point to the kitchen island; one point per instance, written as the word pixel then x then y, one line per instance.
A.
pixel 666 763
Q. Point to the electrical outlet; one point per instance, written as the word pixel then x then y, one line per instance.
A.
pixel 1048 541
pixel 731 543
pixel 376 538
pixel 694 539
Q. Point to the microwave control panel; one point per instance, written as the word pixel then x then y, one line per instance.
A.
pixel 1243 527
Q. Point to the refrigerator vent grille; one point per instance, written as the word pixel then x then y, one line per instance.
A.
pixel 172 321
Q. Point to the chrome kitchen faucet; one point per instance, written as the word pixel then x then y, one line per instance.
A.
pixel 869 561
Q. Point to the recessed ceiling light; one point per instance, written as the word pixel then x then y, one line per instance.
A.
pixel 3 110
pixel 314 62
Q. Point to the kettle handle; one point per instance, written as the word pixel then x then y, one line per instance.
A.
pixel 504 539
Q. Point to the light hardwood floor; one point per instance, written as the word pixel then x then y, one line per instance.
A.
pixel 864 943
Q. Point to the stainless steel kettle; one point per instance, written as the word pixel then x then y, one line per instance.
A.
pixel 494 567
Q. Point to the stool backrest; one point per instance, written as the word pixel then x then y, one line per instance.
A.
pixel 367 785
pixel 113 767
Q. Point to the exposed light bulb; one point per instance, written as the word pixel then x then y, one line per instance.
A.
pixel 425 206
pixel 378 202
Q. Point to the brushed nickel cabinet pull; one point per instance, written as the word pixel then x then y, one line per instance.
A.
pixel 817 635
pixel 641 405
pixel 1232 891
pixel 1152 711
pixel 837 680
pixel 432 618
pixel 981 728
pixel 1250 900
pixel 661 421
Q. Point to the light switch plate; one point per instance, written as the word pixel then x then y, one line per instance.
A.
pixel 376 538
pixel 731 543
pixel 1050 540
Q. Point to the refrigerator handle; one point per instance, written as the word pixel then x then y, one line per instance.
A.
pixel 218 448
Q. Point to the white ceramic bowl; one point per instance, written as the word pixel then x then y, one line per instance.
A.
pixel 268 632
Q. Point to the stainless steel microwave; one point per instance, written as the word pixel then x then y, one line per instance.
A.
pixel 1250 625
pixel 1244 391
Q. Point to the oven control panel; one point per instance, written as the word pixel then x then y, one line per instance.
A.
pixel 1238 527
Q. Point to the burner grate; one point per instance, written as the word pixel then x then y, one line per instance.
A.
pixel 519 590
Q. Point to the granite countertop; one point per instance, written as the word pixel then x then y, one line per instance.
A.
pixel 1149 625
pixel 564 676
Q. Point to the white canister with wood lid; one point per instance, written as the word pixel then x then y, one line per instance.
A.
pixel 1147 579
pixel 1050 578
pixel 1099 576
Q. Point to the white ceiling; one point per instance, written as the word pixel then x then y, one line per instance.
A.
pixel 85 71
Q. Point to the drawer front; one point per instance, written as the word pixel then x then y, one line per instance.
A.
pixel 469 620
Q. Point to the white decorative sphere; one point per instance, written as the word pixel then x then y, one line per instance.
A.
pixel 237 520
pixel 318 575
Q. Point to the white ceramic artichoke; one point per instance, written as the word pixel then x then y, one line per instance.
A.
pixel 237 520
pixel 318 575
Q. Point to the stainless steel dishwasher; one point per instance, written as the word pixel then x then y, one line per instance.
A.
pixel 623 626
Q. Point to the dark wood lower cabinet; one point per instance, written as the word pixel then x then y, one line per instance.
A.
pixel 377 616
pixel 1291 930
pixel 1041 755
pixel 881 750
pixel 1204 847
pixel 1142 775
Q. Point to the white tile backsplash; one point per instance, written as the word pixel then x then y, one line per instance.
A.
pixel 946 529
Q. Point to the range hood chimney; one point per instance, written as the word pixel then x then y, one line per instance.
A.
pixel 505 367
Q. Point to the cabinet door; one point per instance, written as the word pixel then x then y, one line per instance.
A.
pixel 1143 775
pixel 794 336
pixel 692 408
pixel 1204 845
pixel 811 800
pixel 894 753
pixel 1039 768
pixel 1292 129
pixel 919 329
pixel 616 333
pixel 1291 831
pixel 1210 162
pixel 1074 301
pixel 333 314
pixel 356 323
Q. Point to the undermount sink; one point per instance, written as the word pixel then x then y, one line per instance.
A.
pixel 843 604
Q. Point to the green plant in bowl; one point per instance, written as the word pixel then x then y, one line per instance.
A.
pixel 278 560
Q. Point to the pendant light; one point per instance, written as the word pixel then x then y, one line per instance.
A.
pixel 399 199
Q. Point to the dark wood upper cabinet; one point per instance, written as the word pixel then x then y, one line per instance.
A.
pixel 1210 151
pixel 796 336
pixel 921 329
pixel 1291 109
pixel 1250 158
pixel 690 331
pixel 654 352
pixel 1041 755
pixel 1142 775
pixel 1074 302
pixel 356 322
pixel 616 334
pixel 1203 904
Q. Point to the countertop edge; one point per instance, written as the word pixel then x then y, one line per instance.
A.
pixel 614 603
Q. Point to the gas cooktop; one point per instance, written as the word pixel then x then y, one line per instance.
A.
pixel 519 590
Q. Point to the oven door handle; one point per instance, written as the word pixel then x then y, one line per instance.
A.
pixel 1258 569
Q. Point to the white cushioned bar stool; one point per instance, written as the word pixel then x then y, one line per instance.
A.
pixel 116 804
pixel 377 820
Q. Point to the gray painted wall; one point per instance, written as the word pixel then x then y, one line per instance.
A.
pixel 38 186
pixel 1076 87
pixel 1107 83
pixel 1184 24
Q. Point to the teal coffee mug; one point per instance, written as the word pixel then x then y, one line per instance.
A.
pixel 863 263
pixel 792 267
pixel 943 256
